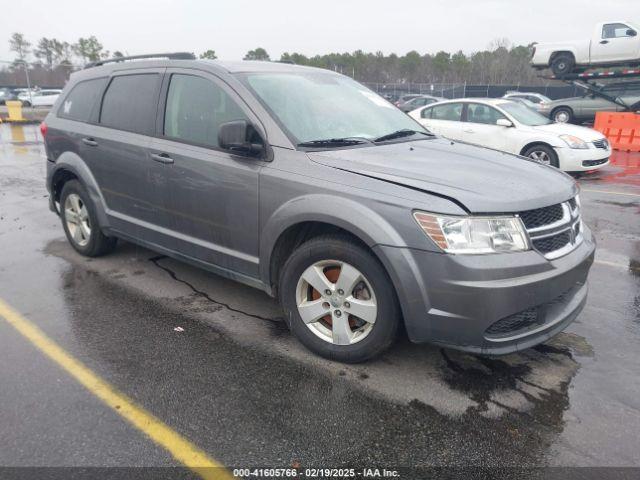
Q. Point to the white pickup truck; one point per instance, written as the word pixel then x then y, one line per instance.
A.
pixel 612 43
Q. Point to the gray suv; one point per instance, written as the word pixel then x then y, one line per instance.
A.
pixel 305 184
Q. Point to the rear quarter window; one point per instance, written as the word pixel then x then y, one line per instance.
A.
pixel 130 103
pixel 82 98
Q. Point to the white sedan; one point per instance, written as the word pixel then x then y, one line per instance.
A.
pixel 511 127
pixel 40 98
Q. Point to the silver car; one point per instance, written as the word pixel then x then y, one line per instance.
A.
pixel 583 109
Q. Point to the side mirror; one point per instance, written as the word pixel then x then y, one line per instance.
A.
pixel 503 122
pixel 236 137
pixel 631 33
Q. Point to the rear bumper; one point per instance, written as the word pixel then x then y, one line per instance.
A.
pixel 453 299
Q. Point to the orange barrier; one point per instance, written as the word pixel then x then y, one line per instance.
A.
pixel 622 129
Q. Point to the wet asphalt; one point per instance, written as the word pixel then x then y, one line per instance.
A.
pixel 235 382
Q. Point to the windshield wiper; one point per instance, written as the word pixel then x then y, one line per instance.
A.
pixel 335 142
pixel 401 133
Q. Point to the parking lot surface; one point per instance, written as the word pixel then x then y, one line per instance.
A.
pixel 213 361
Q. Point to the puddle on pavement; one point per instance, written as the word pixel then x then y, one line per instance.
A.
pixel 131 339
pixel 455 384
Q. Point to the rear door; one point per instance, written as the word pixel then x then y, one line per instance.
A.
pixel 120 162
pixel 212 195
pixel 446 120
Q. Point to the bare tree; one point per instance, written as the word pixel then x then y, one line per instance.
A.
pixel 19 45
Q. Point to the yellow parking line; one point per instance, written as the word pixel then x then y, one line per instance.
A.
pixel 610 192
pixel 182 449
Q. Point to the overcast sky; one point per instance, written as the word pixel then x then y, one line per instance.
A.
pixel 232 27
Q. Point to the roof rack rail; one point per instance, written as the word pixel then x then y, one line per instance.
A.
pixel 171 56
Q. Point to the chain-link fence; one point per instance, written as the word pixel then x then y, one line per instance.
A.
pixel 463 90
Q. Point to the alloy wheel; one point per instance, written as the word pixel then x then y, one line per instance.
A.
pixel 76 217
pixel 336 302
pixel 540 156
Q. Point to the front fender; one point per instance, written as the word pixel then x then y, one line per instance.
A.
pixel 74 164
pixel 354 217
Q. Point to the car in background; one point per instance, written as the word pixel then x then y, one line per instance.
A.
pixel 534 97
pixel 611 43
pixel 419 101
pixel 6 94
pixel 526 103
pixel 583 109
pixel 40 98
pixel 405 98
pixel 511 127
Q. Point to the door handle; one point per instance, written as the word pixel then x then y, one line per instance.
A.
pixel 90 141
pixel 468 130
pixel 162 157
pixel 604 41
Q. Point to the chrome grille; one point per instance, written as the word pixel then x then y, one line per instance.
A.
pixel 554 231
pixel 553 243
pixel 603 143
pixel 541 216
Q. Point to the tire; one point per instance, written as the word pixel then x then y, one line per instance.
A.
pixel 336 259
pixel 562 115
pixel 543 154
pixel 26 104
pixel 562 64
pixel 80 222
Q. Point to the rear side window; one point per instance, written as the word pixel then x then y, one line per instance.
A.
pixel 196 107
pixel 448 111
pixel 130 103
pixel 79 103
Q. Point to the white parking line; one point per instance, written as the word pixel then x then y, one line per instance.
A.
pixel 610 192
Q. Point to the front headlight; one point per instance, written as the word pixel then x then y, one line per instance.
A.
pixel 474 235
pixel 574 142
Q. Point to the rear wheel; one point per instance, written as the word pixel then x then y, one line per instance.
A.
pixel 339 300
pixel 543 154
pixel 562 115
pixel 562 64
pixel 80 223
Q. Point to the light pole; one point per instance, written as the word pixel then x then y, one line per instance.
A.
pixel 26 72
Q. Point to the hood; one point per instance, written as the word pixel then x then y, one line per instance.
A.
pixel 479 179
pixel 585 133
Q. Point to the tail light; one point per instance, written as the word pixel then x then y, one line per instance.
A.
pixel 43 129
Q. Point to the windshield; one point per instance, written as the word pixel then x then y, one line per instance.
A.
pixel 320 106
pixel 524 114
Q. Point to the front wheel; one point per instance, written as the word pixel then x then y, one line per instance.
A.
pixel 338 299
pixel 542 154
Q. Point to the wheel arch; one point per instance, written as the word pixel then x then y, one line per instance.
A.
pixel 70 166
pixel 309 216
pixel 534 143
pixel 560 52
